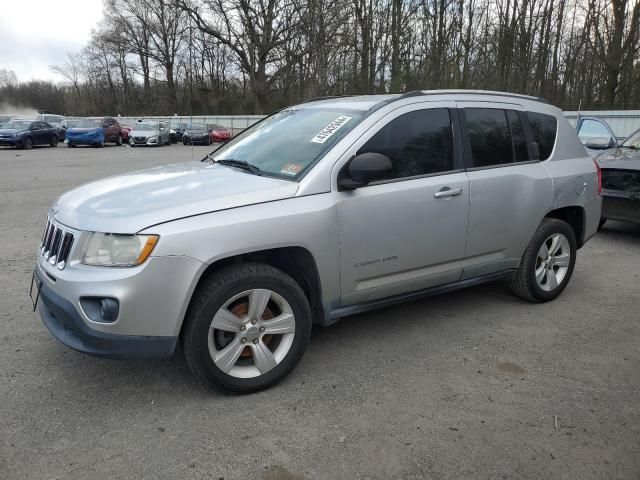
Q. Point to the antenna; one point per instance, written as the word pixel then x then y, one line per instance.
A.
pixel 190 77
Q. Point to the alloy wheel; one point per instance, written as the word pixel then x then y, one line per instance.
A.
pixel 552 263
pixel 251 333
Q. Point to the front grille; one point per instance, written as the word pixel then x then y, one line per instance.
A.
pixel 56 244
pixel 140 139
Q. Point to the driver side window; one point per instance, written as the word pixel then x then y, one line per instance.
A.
pixel 417 143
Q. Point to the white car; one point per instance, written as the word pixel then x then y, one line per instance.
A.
pixel 149 132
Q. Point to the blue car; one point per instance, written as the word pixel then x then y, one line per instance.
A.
pixel 27 133
pixel 95 132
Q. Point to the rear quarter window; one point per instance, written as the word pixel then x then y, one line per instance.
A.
pixel 543 128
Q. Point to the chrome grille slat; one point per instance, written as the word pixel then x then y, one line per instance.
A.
pixel 56 244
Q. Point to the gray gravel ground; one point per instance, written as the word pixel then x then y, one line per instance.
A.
pixel 465 385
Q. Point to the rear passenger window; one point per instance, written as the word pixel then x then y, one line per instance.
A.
pixel 418 143
pixel 489 136
pixel 543 128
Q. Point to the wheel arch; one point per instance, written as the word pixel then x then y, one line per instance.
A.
pixel 295 261
pixel 575 216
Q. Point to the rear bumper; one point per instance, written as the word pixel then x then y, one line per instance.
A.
pixel 66 324
pixel 621 207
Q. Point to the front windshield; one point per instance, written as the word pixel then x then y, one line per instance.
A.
pixel 633 141
pixel 17 124
pixel 287 143
pixel 4 119
pixel 146 126
pixel 89 123
pixel 197 126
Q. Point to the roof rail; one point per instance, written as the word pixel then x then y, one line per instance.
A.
pixel 327 97
pixel 472 92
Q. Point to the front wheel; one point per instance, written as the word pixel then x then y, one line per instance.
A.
pixel 547 263
pixel 119 141
pixel 27 143
pixel 247 328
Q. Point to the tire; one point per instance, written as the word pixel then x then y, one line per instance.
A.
pixel 229 288
pixel 543 289
pixel 119 141
pixel 70 145
pixel 54 141
pixel 100 145
pixel 27 143
pixel 601 224
pixel 208 140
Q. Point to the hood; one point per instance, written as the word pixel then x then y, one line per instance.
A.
pixel 84 130
pixel 143 133
pixel 10 131
pixel 131 202
pixel 622 158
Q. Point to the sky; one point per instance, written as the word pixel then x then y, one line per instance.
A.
pixel 35 34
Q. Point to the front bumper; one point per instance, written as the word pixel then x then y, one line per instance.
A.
pixel 66 324
pixel 94 140
pixel 10 142
pixel 152 297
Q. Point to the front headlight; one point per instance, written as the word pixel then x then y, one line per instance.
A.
pixel 152 139
pixel 115 250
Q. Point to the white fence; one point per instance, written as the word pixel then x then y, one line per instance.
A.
pixel 622 122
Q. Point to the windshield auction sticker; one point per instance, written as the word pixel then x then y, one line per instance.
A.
pixel 330 129
pixel 291 169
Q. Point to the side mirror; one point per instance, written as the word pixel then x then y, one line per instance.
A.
pixel 601 143
pixel 363 169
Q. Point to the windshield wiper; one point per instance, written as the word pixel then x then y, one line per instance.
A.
pixel 631 147
pixel 242 164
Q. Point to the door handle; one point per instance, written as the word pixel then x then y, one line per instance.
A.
pixel 448 192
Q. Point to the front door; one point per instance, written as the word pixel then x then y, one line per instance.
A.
pixel 406 232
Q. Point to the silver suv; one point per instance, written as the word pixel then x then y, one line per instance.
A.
pixel 322 210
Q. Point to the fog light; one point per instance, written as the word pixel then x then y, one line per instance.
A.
pixel 101 309
pixel 109 309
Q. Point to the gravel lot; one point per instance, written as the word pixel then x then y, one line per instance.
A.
pixel 465 385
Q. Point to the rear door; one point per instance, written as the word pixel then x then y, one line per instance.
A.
pixel 510 189
pixel 406 232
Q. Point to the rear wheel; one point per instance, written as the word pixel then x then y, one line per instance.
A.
pixel 70 145
pixel 119 140
pixel 247 328
pixel 54 141
pixel 601 224
pixel 547 264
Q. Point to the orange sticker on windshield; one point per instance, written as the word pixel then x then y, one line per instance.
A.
pixel 291 169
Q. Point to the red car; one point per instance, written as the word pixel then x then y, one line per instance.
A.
pixel 124 131
pixel 218 133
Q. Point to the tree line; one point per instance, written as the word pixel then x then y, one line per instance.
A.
pixel 254 56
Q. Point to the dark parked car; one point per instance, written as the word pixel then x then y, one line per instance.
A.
pixel 595 134
pixel 94 131
pixel 177 131
pixel 621 181
pixel 59 122
pixel 196 133
pixel 27 133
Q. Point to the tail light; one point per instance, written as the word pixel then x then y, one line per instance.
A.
pixel 599 174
